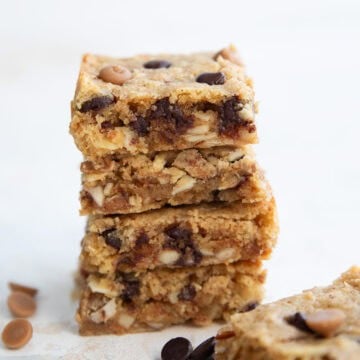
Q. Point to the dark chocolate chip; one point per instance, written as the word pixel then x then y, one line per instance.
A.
pixel 141 240
pixel 178 233
pixel 111 238
pixel 126 260
pixel 204 351
pixel 172 113
pixel 180 238
pixel 229 118
pixel 96 103
pixel 108 125
pixel 132 286
pixel 215 194
pixel 178 348
pixel 217 78
pixel 297 320
pixel 249 307
pixel 157 64
pixel 187 293
pixel 140 126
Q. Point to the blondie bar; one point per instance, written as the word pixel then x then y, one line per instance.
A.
pixel 138 183
pixel 134 302
pixel 322 323
pixel 176 237
pixel 151 103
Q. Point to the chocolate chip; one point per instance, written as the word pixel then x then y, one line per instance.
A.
pixel 21 304
pixel 23 288
pixel 187 293
pixel 180 239
pixel 204 351
pixel 141 240
pixel 249 307
pixel 157 64
pixel 178 233
pixel 217 78
pixel 108 125
pixel 132 286
pixel 176 349
pixel 230 120
pixel 115 74
pixel 111 238
pixel 172 113
pixel 297 320
pixel 140 126
pixel 96 103
pixel 17 333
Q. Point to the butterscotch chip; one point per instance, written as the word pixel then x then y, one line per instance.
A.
pixel 23 288
pixel 325 322
pixel 117 74
pixel 17 333
pixel 21 304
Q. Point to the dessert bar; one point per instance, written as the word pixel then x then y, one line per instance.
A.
pixel 321 323
pixel 131 184
pixel 179 237
pixel 151 103
pixel 134 302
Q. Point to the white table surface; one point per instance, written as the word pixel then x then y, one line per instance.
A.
pixel 305 58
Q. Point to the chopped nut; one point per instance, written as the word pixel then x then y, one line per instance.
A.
pixel 159 162
pixel 193 163
pixel 173 297
pixel 125 320
pixel 175 174
pixel 97 194
pixel 247 113
pixel 325 322
pixel 206 252
pixel 169 256
pixel 155 325
pixel 102 286
pixel 225 254
pixel 198 130
pixel 185 183
pixel 104 313
pixel 236 155
pixel 107 189
pixel 199 138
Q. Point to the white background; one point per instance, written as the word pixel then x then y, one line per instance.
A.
pixel 305 58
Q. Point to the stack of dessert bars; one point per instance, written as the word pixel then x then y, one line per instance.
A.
pixel 180 216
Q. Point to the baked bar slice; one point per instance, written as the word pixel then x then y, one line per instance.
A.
pixel 152 300
pixel 176 237
pixel 131 184
pixel 151 103
pixel 322 323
